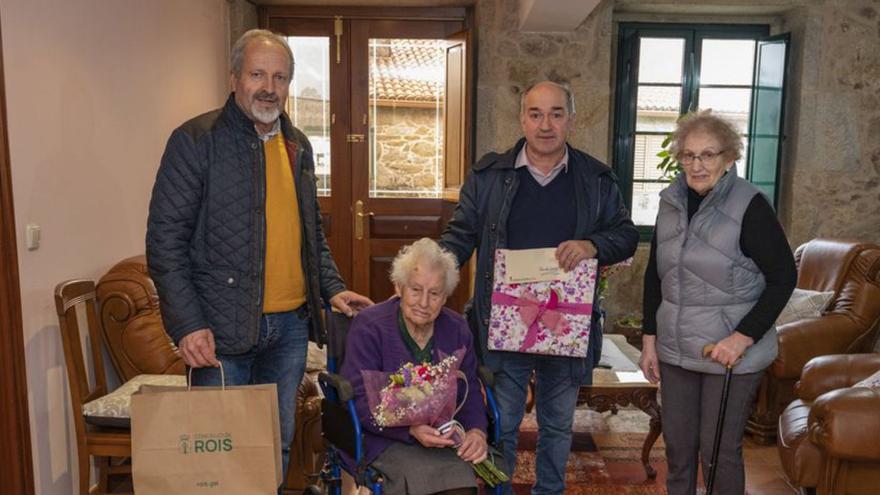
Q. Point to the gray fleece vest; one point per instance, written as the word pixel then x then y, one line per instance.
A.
pixel 708 284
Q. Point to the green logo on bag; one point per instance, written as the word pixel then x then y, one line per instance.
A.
pixel 205 443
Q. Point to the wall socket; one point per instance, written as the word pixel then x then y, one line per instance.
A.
pixel 32 236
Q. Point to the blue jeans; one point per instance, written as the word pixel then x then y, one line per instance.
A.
pixel 556 390
pixel 279 357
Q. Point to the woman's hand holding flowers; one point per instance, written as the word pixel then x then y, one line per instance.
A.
pixel 473 448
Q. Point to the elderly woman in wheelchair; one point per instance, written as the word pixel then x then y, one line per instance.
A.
pixel 414 327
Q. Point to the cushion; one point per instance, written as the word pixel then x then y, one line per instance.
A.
pixel 113 409
pixel 872 381
pixel 316 359
pixel 804 304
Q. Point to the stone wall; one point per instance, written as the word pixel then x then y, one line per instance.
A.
pixel 242 17
pixel 407 150
pixel 831 182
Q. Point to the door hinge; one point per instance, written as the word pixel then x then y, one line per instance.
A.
pixel 337 31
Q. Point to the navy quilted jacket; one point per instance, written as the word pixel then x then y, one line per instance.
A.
pixel 206 229
pixel 480 222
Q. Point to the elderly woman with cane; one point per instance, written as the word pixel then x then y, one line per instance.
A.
pixel 720 271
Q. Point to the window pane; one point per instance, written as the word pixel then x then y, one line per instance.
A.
pixel 768 114
pixel 646 202
pixel 727 62
pixel 741 163
pixel 309 102
pixel 407 87
pixel 657 108
pixel 660 60
pixel 645 157
pixel 731 103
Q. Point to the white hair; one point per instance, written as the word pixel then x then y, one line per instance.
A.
pixel 425 252
pixel 236 58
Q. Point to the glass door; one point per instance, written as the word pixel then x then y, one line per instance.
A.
pixel 399 76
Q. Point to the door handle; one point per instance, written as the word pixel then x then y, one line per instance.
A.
pixel 359 215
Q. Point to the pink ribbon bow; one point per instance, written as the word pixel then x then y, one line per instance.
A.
pixel 549 313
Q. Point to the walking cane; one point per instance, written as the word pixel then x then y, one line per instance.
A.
pixel 716 445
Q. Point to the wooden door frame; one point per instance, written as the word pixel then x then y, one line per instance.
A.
pixel 15 437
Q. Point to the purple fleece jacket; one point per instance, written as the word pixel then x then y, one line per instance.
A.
pixel 374 343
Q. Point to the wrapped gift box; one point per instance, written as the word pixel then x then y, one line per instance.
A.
pixel 545 317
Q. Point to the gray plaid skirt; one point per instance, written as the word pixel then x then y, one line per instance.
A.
pixel 411 469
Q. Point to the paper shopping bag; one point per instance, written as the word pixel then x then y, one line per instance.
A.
pixel 206 440
pixel 539 309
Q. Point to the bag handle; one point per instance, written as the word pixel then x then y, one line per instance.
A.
pixel 189 378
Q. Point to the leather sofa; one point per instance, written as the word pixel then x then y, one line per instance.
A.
pixel 829 437
pixel 137 344
pixel 849 324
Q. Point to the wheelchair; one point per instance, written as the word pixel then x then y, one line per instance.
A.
pixel 341 428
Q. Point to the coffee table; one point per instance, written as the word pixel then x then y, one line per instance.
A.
pixel 607 393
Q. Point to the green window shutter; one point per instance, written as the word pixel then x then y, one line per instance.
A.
pixel 767 119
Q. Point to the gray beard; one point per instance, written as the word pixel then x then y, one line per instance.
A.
pixel 267 116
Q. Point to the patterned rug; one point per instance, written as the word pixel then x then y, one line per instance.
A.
pixel 605 455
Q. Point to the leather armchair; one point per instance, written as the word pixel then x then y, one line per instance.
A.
pixel 848 325
pixel 132 326
pixel 137 344
pixel 829 437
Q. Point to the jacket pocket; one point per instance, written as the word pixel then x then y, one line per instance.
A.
pixel 219 297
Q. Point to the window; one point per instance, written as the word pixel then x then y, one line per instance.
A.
pixel 665 70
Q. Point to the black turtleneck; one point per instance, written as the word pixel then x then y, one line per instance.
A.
pixel 761 239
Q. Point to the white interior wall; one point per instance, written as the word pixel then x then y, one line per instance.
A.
pixel 93 89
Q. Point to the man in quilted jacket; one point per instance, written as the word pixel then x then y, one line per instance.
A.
pixel 542 193
pixel 234 238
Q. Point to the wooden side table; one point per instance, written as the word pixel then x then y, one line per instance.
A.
pixel 607 393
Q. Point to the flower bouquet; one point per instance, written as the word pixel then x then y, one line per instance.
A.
pixel 420 394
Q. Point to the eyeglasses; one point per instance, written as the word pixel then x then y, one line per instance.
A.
pixel 704 157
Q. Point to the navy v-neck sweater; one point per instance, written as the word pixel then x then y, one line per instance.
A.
pixel 541 216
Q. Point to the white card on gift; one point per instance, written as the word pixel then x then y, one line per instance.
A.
pixel 533 265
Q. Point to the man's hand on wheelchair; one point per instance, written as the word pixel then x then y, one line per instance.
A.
pixel 430 437
pixel 474 448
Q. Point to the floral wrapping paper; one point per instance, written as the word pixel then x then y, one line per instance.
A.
pixel 542 317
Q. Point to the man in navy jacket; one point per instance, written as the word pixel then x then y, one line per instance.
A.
pixel 234 239
pixel 541 193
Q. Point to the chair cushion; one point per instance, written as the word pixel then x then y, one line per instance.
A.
pixel 113 409
pixel 872 381
pixel 804 304
pixel 316 359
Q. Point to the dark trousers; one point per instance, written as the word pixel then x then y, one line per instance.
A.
pixel 690 404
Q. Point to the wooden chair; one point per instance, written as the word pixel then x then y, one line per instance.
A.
pixel 109 446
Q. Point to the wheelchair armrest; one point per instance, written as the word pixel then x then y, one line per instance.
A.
pixel 337 382
pixel 486 376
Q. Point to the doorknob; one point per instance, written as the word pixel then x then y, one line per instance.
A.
pixel 359 219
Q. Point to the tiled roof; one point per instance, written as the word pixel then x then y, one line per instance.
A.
pixel 658 98
pixel 408 70
pixel 666 99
